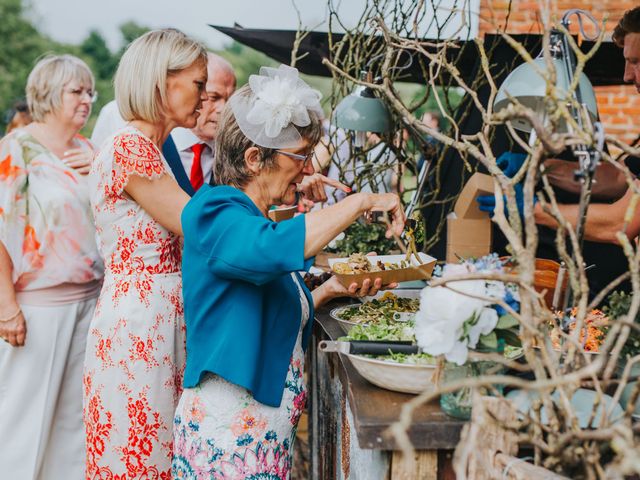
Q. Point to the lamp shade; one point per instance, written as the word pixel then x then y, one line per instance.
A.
pixel 528 87
pixel 361 111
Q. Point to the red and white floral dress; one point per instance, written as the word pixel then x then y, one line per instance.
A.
pixel 136 346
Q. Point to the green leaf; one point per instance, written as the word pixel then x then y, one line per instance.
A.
pixel 506 321
pixel 468 324
pixel 489 341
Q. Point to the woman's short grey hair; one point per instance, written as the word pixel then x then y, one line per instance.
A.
pixel 48 79
pixel 141 78
pixel 230 167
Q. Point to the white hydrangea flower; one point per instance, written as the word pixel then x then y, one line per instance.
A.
pixel 443 312
pixel 440 321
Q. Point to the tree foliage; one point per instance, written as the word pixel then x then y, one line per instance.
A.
pixel 23 45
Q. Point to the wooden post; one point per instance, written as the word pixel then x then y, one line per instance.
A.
pixel 423 465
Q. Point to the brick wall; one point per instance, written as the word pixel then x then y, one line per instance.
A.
pixel 619 106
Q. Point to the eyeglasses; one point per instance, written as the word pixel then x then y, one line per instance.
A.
pixel 79 92
pixel 303 158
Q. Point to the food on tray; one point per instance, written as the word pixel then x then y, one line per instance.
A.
pixel 410 235
pixel 380 310
pixel 390 332
pixel 359 263
pixel 595 327
pixel 342 267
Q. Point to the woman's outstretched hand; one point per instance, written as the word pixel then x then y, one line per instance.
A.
pixel 390 203
pixel 332 288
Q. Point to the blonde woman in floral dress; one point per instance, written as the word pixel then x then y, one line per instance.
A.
pixel 50 275
pixel 248 313
pixel 135 350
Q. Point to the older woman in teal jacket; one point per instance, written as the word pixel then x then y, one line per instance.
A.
pixel 248 313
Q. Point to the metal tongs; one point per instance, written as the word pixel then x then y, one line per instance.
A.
pixel 410 226
pixel 369 347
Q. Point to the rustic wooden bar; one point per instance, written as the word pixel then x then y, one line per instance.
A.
pixel 349 416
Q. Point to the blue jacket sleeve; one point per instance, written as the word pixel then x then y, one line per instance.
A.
pixel 241 244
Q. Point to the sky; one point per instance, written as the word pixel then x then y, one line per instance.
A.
pixel 70 20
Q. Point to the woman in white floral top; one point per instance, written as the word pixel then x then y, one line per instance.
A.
pixel 50 275
pixel 135 350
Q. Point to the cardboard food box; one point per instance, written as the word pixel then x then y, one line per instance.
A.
pixel 284 213
pixel 416 271
pixel 468 227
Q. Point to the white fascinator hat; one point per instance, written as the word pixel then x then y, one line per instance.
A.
pixel 279 102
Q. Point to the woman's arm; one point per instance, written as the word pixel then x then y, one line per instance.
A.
pixel 603 221
pixel 324 225
pixel 162 198
pixel 238 244
pixel 13 327
pixel 609 182
pixel 332 288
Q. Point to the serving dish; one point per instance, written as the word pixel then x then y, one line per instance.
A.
pixel 399 377
pixel 386 308
pixel 344 324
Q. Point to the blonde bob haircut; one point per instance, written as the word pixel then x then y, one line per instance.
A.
pixel 141 78
pixel 48 79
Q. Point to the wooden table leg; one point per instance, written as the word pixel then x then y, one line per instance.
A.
pixel 423 465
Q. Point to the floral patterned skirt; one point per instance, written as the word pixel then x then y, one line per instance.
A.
pixel 221 432
pixel 133 371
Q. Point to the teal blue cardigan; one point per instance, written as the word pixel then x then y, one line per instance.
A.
pixel 242 308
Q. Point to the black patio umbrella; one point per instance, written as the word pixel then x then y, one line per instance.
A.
pixel 605 68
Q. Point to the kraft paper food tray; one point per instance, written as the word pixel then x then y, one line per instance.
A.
pixel 285 213
pixel 415 272
pixel 466 206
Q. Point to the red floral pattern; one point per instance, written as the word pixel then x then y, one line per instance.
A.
pixel 135 349
pixel 133 154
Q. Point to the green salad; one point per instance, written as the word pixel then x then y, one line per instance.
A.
pixel 390 331
pixel 380 310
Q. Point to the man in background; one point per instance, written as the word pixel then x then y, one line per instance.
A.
pixel 193 149
pixel 604 221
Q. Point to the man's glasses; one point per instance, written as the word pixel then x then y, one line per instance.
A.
pixel 79 92
pixel 303 158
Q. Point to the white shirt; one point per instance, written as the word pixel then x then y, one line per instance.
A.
pixel 109 121
pixel 184 139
